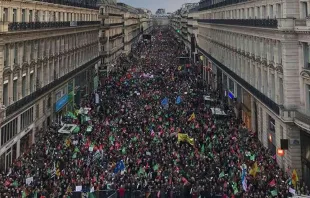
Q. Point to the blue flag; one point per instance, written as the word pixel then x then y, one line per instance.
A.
pixel 164 102
pixel 178 101
pixel 120 166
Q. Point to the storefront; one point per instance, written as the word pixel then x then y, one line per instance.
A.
pixel 13 148
pixel 7 158
pixel 246 108
pixel 271 135
pixel 305 155
pixel 26 141
pixel 231 91
pixel 64 100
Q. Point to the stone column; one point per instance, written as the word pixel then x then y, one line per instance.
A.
pixel 293 154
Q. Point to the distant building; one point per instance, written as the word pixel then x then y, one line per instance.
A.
pixel 161 11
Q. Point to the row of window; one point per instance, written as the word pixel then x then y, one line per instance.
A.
pixel 108 9
pixel 14 90
pixel 26 51
pixel 258 77
pixel 258 12
pixel 26 118
pixel 8 131
pixel 264 48
pixel 26 15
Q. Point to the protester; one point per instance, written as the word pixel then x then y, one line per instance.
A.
pixel 146 132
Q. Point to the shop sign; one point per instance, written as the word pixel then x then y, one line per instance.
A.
pixel 61 102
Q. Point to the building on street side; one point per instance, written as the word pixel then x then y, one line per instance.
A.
pixel 257 54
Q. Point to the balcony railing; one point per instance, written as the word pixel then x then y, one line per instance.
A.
pixel 116 24
pixel 114 14
pixel 265 23
pixel 90 4
pixel 115 36
pixel 210 4
pixel 28 100
pixel 21 26
pixel 302 117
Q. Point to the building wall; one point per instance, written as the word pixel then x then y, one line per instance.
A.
pixel 40 43
pixel 270 62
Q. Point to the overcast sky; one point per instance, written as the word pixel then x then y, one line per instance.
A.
pixel 153 5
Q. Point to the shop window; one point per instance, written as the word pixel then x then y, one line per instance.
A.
pixel 8 131
pixel 272 124
pixel 231 85
pixel 26 118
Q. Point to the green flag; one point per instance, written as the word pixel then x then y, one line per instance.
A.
pixel 274 193
pixel 252 157
pixel 235 188
pixel 74 156
pixel 24 195
pixel 141 171
pixel 203 149
pixel 76 150
pixel 222 174
pixel 35 195
pixel 76 129
pixel 15 184
pixel 156 167
pixel 124 150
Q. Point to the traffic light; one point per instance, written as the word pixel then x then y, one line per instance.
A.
pixel 178 31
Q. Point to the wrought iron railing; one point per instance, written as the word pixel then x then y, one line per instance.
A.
pixel 90 4
pixel 19 26
pixel 210 4
pixel 114 14
pixel 260 96
pixel 265 23
pixel 28 100
pixel 116 24
pixel 115 36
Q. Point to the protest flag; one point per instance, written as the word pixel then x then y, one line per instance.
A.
pixel 294 178
pixel 178 100
pixel 192 117
pixel 254 169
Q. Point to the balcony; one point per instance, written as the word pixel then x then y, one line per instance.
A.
pixel 115 15
pixel 262 23
pixel 28 100
pixel 116 36
pixel 23 26
pixel 302 120
pixel 210 4
pixel 116 24
pixel 90 4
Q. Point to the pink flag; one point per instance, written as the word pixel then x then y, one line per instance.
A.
pixel 272 183
pixel 184 180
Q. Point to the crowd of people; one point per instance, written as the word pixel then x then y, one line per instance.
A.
pixel 147 132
